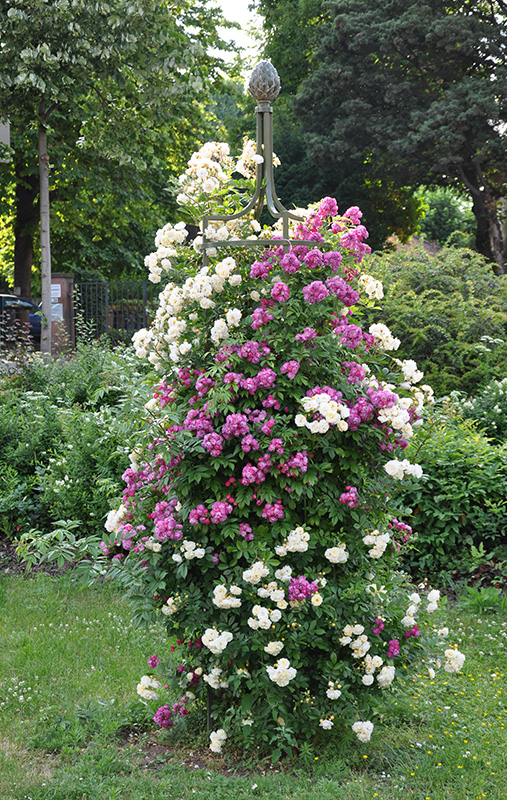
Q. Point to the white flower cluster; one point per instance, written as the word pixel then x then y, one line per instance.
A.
pixel 216 641
pixel 331 413
pixel 217 739
pixel 189 550
pixel 337 555
pixel 408 620
pixel 276 594
pixel 284 574
pixel 207 169
pixel 226 599
pixel 153 545
pixel 454 660
pixel 256 572
pixel 371 663
pixel 327 724
pixel 165 241
pixel 273 648
pixel 214 679
pixel 371 286
pixel 359 645
pixel 386 676
pixel 363 730
pixel 384 338
pixel 247 164
pixel 168 328
pixel 282 673
pixel 263 617
pixel 399 469
pixel 411 373
pixel 114 518
pixel 171 606
pixel 142 341
pixel 398 417
pixel 147 686
pixel 334 690
pixel 433 597
pixel 296 542
pixel 379 542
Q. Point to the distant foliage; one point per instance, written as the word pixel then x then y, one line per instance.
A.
pixel 450 312
pixel 462 501
pixel 447 217
pixel 488 408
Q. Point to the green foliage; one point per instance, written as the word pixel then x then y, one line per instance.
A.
pixel 447 217
pixel 481 600
pixel 442 307
pixel 118 87
pixel 64 447
pixel 414 89
pixel 462 501
pixel 488 408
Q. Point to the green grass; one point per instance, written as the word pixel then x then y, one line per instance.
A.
pixel 63 649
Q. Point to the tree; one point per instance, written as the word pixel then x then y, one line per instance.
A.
pixel 420 88
pixel 389 208
pixel 111 79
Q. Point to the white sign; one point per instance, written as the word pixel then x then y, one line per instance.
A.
pixel 56 312
pixel 56 292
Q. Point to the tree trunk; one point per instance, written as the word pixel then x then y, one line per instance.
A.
pixel 489 239
pixel 27 189
pixel 45 245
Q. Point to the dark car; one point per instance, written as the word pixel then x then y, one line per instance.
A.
pixel 10 305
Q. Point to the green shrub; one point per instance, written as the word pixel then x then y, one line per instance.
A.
pixel 462 501
pixel 446 215
pixel 63 447
pixel 488 408
pixel 442 307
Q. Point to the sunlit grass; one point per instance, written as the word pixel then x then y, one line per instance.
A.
pixel 441 739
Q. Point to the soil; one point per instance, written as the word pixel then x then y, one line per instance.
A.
pixel 11 564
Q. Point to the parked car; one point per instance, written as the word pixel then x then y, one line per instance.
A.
pixel 10 304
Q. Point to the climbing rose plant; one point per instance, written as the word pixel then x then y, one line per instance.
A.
pixel 259 520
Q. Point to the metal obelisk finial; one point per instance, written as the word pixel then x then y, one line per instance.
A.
pixel 264 86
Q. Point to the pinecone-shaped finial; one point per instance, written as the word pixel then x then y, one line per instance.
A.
pixel 264 84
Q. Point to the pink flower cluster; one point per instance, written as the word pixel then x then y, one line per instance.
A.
pixel 235 425
pixel 379 626
pixel 350 497
pixel 164 393
pixel 340 289
pixel 220 511
pixel 164 716
pixel 414 631
pixel 295 465
pixel 273 511
pixel 280 292
pixel 355 371
pixel 246 531
pixel 290 368
pixel 167 525
pixel 199 515
pixel 315 292
pixel 307 335
pixel 213 443
pixel 300 588
pixel 393 648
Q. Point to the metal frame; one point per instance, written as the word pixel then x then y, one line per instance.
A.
pixel 265 191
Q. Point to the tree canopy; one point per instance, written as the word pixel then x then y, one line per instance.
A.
pixel 420 88
pixel 117 85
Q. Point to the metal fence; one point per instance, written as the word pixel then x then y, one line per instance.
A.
pixel 115 309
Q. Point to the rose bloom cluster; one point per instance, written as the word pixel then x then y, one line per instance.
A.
pixel 257 517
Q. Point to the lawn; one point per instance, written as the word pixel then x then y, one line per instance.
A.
pixel 72 726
